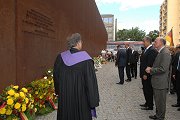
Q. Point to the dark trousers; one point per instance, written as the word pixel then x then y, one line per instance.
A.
pixel 128 71
pixel 173 81
pixel 134 69
pixel 178 86
pixel 121 73
pixel 148 92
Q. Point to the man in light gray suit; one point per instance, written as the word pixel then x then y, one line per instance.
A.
pixel 159 80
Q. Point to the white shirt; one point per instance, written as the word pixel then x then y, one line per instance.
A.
pixel 132 51
pixel 160 49
pixel 147 48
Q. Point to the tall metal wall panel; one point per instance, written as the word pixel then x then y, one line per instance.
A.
pixel 36 32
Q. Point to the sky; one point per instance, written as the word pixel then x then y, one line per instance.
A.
pixel 133 13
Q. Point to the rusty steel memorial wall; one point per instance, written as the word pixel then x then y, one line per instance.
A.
pixel 33 32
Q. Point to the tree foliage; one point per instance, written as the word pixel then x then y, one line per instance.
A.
pixel 133 34
pixel 153 34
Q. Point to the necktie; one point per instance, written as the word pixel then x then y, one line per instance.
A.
pixel 178 67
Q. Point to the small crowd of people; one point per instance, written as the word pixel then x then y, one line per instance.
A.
pixel 76 85
pixel 158 69
pixel 127 58
pixel 109 55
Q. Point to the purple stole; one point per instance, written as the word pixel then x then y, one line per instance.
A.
pixel 72 59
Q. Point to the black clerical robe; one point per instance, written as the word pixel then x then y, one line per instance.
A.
pixel 77 89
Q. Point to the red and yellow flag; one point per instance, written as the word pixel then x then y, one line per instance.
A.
pixel 169 38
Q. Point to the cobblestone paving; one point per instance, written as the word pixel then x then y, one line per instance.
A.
pixel 121 102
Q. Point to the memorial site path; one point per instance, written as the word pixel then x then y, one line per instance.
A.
pixel 121 102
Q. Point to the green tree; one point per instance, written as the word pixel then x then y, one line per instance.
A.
pixel 133 34
pixel 153 34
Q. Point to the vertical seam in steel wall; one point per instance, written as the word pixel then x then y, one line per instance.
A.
pixel 15 32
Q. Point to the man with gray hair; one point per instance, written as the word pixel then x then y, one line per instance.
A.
pixel 75 82
pixel 160 76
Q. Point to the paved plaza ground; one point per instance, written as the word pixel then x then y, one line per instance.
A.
pixel 121 102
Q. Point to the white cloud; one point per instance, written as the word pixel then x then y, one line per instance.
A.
pixel 130 4
pixel 147 25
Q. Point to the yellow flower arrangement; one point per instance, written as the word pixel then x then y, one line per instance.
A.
pixel 30 99
pixel 16 100
pixel 41 90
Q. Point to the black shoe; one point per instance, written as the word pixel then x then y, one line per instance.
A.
pixel 176 105
pixel 119 83
pixel 143 105
pixel 128 80
pixel 178 109
pixel 153 117
pixel 147 108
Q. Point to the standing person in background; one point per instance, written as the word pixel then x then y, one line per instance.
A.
pixel 147 59
pixel 176 75
pixel 173 81
pixel 134 60
pixel 128 62
pixel 121 63
pixel 160 77
pixel 103 53
pixel 75 82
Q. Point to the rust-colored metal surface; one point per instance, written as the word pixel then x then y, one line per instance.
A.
pixel 7 43
pixel 36 30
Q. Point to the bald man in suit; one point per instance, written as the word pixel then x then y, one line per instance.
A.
pixel 160 77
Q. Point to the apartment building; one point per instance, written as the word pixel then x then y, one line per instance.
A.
pixel 170 19
pixel 108 20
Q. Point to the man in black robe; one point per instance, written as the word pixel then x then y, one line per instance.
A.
pixel 75 82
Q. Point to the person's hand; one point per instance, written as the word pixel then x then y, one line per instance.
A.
pixel 128 63
pixel 144 77
pixel 148 69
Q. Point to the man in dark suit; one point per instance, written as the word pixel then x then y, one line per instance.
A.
pixel 176 75
pixel 134 60
pixel 121 63
pixel 160 77
pixel 128 61
pixel 147 59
